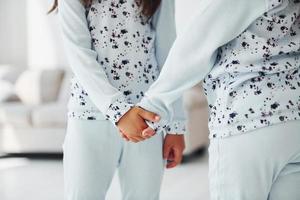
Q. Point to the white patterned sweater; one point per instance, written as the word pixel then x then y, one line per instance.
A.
pixel 111 50
pixel 248 55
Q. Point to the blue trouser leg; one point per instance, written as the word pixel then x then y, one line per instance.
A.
pixel 260 165
pixel 91 155
pixel 93 150
pixel 141 169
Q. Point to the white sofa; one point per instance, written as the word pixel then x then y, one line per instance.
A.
pixel 37 122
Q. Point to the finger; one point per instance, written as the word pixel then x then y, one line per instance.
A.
pixel 122 132
pixel 148 132
pixel 171 164
pixel 146 136
pixel 123 135
pixel 140 139
pixel 147 115
pixel 167 151
pixel 174 158
pixel 132 139
pixel 136 139
pixel 177 155
pixel 171 156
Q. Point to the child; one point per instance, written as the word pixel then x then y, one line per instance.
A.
pixel 248 54
pixel 115 54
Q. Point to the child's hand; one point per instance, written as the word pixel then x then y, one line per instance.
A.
pixel 132 124
pixel 173 149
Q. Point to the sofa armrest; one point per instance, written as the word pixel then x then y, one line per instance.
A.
pixel 51 115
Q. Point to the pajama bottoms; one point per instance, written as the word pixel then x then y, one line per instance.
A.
pixel 94 149
pixel 261 165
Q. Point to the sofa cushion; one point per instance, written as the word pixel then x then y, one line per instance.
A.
pixel 35 87
pixel 49 115
pixel 15 114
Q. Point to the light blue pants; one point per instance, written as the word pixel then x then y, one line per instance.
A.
pixel 92 152
pixel 260 165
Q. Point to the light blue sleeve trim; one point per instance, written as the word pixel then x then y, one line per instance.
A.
pixel 194 52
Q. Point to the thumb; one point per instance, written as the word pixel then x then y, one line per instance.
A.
pixel 147 115
pixel 177 156
pixel 148 132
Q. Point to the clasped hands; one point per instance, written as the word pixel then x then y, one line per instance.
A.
pixel 133 127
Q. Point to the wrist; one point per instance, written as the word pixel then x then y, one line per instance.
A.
pixel 117 110
pixel 176 128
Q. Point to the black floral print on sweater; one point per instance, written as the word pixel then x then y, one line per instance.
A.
pixel 124 41
pixel 256 79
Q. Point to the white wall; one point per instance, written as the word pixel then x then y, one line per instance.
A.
pixel 30 38
pixel 13 32
pixel 45 49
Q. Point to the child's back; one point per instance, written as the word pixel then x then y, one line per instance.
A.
pixel 256 79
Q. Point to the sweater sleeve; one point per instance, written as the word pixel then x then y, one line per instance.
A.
pixel 164 25
pixel 83 61
pixel 194 52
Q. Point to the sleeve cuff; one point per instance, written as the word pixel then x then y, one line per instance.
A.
pixel 117 109
pixel 176 128
pixel 147 105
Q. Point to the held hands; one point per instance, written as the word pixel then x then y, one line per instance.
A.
pixel 133 127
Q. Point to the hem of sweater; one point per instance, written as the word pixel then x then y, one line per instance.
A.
pixel 255 123
pixel 87 115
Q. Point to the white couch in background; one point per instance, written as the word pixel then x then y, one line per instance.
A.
pixel 36 122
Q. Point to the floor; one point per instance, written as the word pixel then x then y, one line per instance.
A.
pixel 25 179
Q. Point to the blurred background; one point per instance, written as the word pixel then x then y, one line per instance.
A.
pixel 34 90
